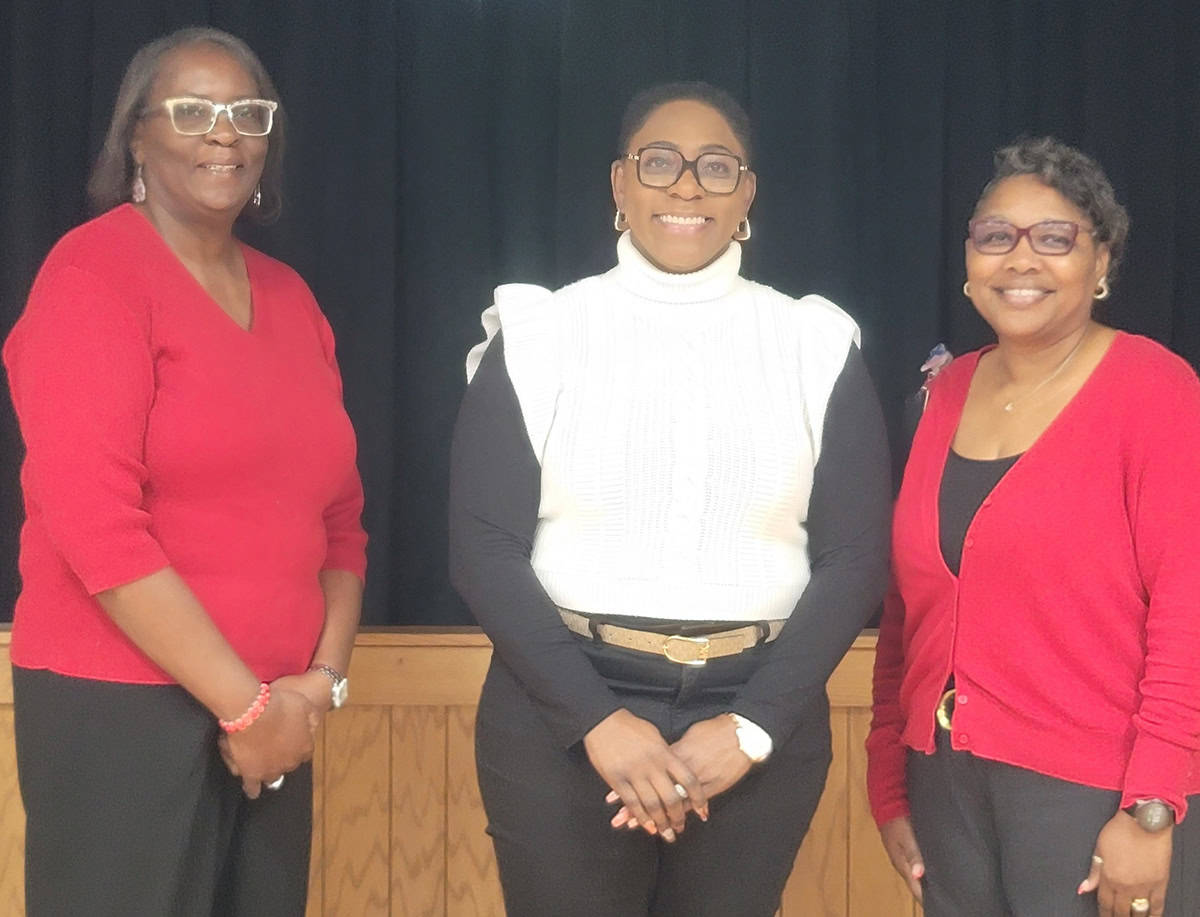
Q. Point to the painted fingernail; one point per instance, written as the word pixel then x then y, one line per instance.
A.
pixel 918 871
pixel 1079 891
pixel 668 835
pixel 703 813
pixel 651 827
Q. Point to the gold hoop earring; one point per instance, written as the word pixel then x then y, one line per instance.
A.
pixel 1102 289
pixel 620 224
pixel 137 190
pixel 742 232
pixel 967 289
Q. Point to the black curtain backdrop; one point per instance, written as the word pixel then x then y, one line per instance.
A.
pixel 439 148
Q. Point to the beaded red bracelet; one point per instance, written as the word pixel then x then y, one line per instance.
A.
pixel 253 712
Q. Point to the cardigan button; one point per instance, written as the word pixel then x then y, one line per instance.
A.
pixel 970 543
pixel 964 739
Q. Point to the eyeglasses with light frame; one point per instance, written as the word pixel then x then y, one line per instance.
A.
pixel 192 115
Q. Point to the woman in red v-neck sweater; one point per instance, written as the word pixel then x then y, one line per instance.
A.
pixel 1045 547
pixel 192 552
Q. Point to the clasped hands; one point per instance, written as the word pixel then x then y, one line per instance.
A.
pixel 283 737
pixel 657 783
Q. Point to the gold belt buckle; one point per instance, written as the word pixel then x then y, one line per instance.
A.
pixel 945 709
pixel 695 654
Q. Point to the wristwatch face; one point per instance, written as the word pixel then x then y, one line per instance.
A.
pixel 1154 815
pixel 751 745
pixel 340 692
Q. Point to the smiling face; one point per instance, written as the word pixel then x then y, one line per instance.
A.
pixel 1026 296
pixel 682 228
pixel 207 177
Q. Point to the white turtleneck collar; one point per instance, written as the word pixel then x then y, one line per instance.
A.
pixel 637 275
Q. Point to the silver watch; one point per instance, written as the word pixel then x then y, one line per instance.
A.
pixel 339 684
pixel 1152 815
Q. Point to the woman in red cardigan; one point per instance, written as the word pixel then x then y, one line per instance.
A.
pixel 192 558
pixel 1037 685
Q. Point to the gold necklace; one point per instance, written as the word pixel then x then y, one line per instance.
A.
pixel 1050 378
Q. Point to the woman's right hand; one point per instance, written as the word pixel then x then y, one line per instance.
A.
pixel 276 743
pixel 901 845
pixel 632 757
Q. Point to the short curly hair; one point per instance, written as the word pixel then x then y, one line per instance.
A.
pixel 648 100
pixel 1074 175
pixel 110 180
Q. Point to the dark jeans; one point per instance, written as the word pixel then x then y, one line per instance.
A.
pixel 130 810
pixel 1004 841
pixel 550 824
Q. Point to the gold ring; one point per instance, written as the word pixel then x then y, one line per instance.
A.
pixel 1139 906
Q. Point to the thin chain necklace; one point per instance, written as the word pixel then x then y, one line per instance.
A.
pixel 1050 378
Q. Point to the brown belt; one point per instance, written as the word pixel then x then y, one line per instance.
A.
pixel 675 647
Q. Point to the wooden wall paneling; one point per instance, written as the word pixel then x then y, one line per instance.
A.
pixel 472 883
pixel 817 887
pixel 357 812
pixel 439 670
pixel 875 887
pixel 12 821
pixel 316 884
pixel 418 839
pixel 398 825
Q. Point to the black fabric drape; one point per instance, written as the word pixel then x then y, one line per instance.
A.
pixel 437 149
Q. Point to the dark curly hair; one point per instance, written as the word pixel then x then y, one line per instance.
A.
pixel 109 184
pixel 1074 175
pixel 642 105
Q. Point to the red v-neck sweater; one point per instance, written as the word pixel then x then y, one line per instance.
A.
pixel 1073 629
pixel 158 432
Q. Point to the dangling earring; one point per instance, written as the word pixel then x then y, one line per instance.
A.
pixel 137 190
pixel 967 289
pixel 256 200
pixel 619 223
pixel 742 233
pixel 1102 289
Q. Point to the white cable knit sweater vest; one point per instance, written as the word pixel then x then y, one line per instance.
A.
pixel 677 419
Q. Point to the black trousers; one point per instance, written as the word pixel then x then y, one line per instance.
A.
pixel 1004 841
pixel 549 822
pixel 130 810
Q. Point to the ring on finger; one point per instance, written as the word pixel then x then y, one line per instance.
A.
pixel 1097 860
pixel 681 790
pixel 1139 906
pixel 275 784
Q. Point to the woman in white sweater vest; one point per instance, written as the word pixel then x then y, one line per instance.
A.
pixel 669 507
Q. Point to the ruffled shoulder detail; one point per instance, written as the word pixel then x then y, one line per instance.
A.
pixel 824 336
pixel 526 314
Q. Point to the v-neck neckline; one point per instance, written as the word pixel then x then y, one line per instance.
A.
pixel 1021 458
pixel 255 301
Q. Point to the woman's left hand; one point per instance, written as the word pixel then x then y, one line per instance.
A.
pixel 313 686
pixel 1129 863
pixel 710 748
